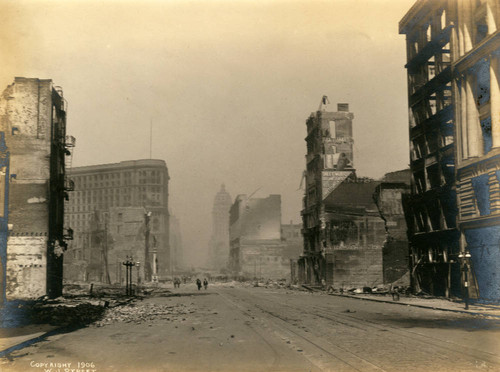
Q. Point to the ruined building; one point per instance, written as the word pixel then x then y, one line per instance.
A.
pixel 219 241
pixel 291 236
pixel 453 49
pixel 112 201
pixel 256 249
pixel 329 161
pixel 33 186
pixel 354 228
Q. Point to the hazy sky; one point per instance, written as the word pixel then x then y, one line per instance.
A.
pixel 227 84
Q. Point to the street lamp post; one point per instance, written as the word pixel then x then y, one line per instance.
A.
pixel 128 263
pixel 465 258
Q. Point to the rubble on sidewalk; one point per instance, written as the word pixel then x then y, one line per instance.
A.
pixel 138 312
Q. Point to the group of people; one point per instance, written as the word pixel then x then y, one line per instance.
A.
pixel 177 283
pixel 205 283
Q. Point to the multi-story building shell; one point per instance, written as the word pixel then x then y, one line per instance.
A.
pixel 99 188
pixel 329 162
pixel 454 100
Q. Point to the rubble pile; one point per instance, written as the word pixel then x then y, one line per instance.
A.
pixel 144 312
pixel 67 314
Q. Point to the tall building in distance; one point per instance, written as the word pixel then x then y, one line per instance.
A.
pixel 219 241
pixel 99 193
pixel 33 187
pixel 176 247
pixel 454 98
pixel 329 161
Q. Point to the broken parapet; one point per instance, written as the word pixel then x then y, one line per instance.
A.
pixel 395 251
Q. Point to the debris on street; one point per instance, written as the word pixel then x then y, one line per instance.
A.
pixel 144 312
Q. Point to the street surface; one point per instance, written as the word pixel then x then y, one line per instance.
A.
pixel 240 328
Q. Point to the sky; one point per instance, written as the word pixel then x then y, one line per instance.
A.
pixel 227 86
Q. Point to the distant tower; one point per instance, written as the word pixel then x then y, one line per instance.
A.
pixel 219 243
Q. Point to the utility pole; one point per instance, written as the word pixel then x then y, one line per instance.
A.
pixel 147 264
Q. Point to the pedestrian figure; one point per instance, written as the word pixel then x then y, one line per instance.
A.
pixel 395 292
pixel 198 283
pixel 177 283
pixel 205 283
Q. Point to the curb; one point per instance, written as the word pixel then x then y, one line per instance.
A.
pixel 416 305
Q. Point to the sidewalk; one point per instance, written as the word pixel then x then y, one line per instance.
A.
pixel 19 336
pixel 429 303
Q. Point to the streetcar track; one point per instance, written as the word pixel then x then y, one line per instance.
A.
pixel 290 330
pixel 451 346
pixel 411 335
pixel 249 325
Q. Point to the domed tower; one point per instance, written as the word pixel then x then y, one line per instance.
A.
pixel 219 243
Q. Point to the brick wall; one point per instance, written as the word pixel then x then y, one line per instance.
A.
pixel 26 267
pixel 354 268
pixel 26 119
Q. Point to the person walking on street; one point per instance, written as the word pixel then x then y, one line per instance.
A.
pixel 198 283
pixel 205 283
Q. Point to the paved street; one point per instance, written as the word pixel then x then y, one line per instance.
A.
pixel 260 329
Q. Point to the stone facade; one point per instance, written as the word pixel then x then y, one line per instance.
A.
pixel 100 188
pixel 453 52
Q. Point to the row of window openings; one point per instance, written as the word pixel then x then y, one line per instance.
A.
pixel 112 180
pixel 115 191
pixel 428 144
pixel 110 198
pixel 86 223
pixel 111 176
pixel 434 27
pixel 126 182
pixel 428 71
pixel 433 217
pixel 430 106
pixel 433 176
pixel 427 33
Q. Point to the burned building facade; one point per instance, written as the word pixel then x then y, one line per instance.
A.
pixel 354 228
pixel 33 188
pixel 99 191
pixel 365 233
pixel 219 241
pixel 255 246
pixel 329 161
pixel 452 50
pixel 476 74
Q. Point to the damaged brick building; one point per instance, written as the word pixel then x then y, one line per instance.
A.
pixel 256 249
pixel 33 188
pixel 354 228
pixel 99 193
pixel 453 88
